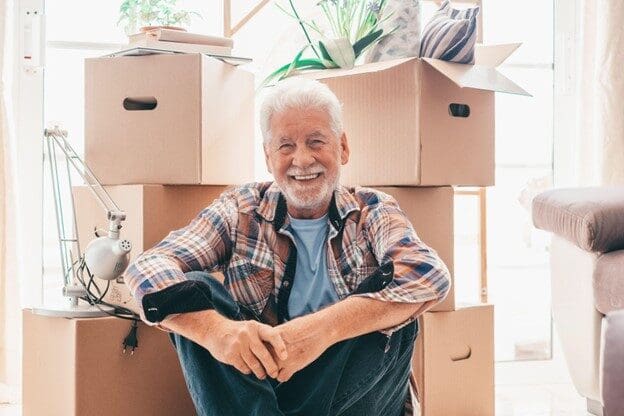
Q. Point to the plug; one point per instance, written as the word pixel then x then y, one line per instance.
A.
pixel 131 340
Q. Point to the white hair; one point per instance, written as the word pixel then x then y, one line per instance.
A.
pixel 299 93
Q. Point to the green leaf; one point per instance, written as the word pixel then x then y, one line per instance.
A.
pixel 366 41
pixel 302 64
pixel 311 63
pixel 323 50
pixel 278 72
pixel 293 64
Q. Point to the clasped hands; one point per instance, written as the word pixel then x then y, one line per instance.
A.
pixel 277 352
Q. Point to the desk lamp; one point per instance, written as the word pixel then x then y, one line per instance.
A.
pixel 106 257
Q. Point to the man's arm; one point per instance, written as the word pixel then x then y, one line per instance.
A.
pixel 157 278
pixel 174 303
pixel 307 337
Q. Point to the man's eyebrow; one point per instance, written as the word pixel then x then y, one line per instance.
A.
pixel 284 139
pixel 315 134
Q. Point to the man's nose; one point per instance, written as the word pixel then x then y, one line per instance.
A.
pixel 303 157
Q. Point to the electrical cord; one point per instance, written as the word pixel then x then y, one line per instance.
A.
pixel 131 341
pixel 119 311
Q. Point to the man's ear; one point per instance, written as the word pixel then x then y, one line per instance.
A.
pixel 344 149
pixel 266 157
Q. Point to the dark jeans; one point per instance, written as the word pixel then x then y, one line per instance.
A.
pixel 366 375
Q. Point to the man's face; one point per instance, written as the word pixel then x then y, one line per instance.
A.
pixel 304 156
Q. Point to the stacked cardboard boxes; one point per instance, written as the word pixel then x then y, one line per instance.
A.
pixel 416 128
pixel 163 131
pixel 165 134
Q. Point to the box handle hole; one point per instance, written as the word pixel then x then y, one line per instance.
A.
pixel 139 103
pixel 463 356
pixel 459 110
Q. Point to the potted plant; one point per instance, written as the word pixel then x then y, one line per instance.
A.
pixel 355 26
pixel 143 15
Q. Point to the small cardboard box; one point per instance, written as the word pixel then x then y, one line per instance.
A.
pixel 421 121
pixel 168 119
pixel 152 211
pixel 430 210
pixel 75 367
pixel 453 362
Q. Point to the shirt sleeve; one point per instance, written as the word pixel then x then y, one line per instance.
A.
pixel 203 245
pixel 420 276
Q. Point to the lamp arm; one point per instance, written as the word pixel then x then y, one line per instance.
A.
pixel 115 215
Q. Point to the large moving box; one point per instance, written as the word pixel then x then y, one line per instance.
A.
pixel 430 210
pixel 168 119
pixel 453 362
pixel 76 367
pixel 421 121
pixel 152 211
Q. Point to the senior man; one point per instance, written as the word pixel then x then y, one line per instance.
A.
pixel 316 315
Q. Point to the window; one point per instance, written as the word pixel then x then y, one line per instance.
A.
pixel 518 273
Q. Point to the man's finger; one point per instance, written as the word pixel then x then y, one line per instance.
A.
pixel 241 366
pixel 253 363
pixel 266 359
pixel 270 335
pixel 284 375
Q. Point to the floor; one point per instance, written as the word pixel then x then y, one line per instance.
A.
pixel 511 400
pixel 538 400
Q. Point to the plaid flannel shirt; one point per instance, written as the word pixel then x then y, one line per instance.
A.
pixel 373 251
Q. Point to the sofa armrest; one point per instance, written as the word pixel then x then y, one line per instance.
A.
pixel 591 218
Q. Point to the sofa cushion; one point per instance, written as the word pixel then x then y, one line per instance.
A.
pixel 609 281
pixel 591 218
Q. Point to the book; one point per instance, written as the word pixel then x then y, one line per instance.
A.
pixel 181 47
pixel 169 35
pixel 140 51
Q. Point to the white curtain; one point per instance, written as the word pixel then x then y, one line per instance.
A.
pixel 10 318
pixel 598 139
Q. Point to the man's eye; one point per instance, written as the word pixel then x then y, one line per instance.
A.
pixel 285 146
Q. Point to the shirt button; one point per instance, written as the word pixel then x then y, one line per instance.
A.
pixel 286 283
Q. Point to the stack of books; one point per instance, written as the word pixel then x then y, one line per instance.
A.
pixel 170 41
pixel 181 41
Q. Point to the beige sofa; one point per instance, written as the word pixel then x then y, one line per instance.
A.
pixel 587 272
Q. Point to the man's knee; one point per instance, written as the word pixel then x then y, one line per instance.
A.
pixel 221 299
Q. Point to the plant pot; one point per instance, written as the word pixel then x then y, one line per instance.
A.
pixel 146 29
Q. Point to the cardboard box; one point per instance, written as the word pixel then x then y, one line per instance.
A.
pixel 152 211
pixel 168 119
pixel 421 121
pixel 75 367
pixel 430 210
pixel 453 362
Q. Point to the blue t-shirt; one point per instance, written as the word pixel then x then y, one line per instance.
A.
pixel 312 288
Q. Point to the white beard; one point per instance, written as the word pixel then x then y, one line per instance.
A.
pixel 308 199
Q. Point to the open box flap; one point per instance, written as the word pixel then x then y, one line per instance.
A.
pixel 475 76
pixel 357 70
pixel 494 55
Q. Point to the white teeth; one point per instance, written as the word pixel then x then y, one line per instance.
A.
pixel 306 177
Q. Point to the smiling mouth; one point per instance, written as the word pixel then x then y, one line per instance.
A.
pixel 306 177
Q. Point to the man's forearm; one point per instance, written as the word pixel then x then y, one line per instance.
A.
pixel 193 325
pixel 355 316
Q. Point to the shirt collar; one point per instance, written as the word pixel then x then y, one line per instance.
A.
pixel 273 208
